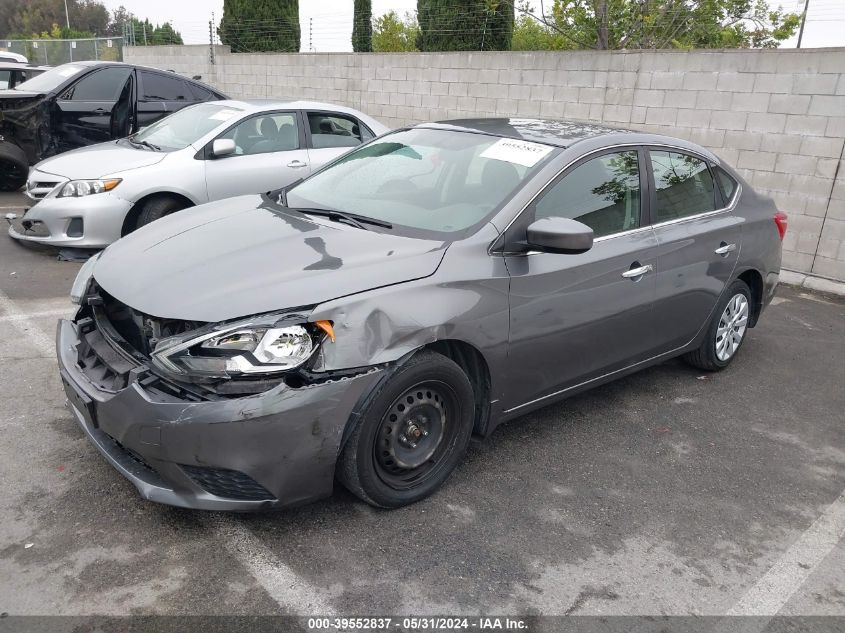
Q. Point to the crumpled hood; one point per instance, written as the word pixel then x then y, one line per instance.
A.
pixel 248 255
pixel 96 161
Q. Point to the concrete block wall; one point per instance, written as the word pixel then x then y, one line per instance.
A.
pixel 778 116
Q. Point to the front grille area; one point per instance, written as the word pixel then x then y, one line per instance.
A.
pixel 230 484
pixel 38 189
pixel 99 361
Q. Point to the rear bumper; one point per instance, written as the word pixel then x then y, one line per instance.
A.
pixel 52 219
pixel 284 442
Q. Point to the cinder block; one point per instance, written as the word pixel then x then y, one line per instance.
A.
pixel 649 98
pixel 727 120
pixel 638 114
pixel 700 81
pixel 667 80
pixel 580 111
pixel 836 126
pixel 796 164
pixel 781 143
pixel 834 268
pixel 773 82
pixel 693 118
pixel 789 104
pixel 823 105
pixel 822 146
pixel 805 124
pixel 748 141
pixel 734 82
pixel 826 167
pixel 815 84
pixel 591 95
pixel 809 185
pixel 759 161
pixel 661 116
pixel 766 122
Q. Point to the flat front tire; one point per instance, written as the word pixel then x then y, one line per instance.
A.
pixel 412 434
pixel 726 331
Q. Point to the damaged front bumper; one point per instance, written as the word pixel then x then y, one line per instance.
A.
pixel 88 222
pixel 273 449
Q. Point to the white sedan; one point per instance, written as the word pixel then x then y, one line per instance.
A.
pixel 92 196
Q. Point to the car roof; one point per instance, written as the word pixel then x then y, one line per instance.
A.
pixel 560 133
pixel 565 133
pixel 261 105
pixel 91 62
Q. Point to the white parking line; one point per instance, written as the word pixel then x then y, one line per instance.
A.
pixel 293 594
pixel 769 594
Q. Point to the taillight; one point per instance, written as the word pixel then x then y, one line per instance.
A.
pixel 781 222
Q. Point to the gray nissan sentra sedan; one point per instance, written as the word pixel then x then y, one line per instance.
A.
pixel 363 324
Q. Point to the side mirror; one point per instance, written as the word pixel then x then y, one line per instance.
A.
pixel 559 235
pixel 222 147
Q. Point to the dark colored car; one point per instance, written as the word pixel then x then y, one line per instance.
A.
pixel 13 73
pixel 421 289
pixel 82 103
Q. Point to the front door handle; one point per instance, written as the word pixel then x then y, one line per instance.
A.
pixel 725 248
pixel 296 164
pixel 636 273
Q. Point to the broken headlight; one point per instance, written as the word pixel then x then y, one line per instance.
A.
pixel 79 188
pixel 269 344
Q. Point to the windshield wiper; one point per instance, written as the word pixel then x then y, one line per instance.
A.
pixel 350 218
pixel 146 144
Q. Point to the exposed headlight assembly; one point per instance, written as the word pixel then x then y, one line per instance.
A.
pixel 79 188
pixel 264 345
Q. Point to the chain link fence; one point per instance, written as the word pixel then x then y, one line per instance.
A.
pixel 52 52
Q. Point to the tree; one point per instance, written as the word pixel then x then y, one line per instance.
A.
pixel 392 34
pixel 362 26
pixel 615 24
pixel 260 25
pixel 465 25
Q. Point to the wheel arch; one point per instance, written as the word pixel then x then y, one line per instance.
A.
pixel 129 222
pixel 754 280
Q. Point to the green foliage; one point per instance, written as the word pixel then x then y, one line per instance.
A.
pixel 465 25
pixel 362 26
pixel 654 24
pixel 392 34
pixel 260 25
pixel 145 33
pixel 39 16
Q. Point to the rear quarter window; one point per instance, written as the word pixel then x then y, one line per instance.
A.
pixel 726 183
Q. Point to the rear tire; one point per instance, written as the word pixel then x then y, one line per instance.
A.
pixel 157 208
pixel 412 434
pixel 14 167
pixel 726 331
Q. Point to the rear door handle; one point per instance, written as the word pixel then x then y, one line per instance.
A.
pixel 296 164
pixel 725 248
pixel 636 273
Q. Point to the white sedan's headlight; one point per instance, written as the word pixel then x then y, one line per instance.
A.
pixel 266 344
pixel 83 278
pixel 79 188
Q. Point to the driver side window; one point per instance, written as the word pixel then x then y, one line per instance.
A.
pixel 603 193
pixel 271 132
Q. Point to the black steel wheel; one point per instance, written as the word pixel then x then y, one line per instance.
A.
pixel 412 435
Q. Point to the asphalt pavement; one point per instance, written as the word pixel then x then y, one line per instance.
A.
pixel 668 492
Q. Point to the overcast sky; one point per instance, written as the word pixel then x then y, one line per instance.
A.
pixel 332 19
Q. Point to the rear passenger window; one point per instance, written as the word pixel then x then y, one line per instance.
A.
pixel 331 130
pixel 727 183
pixel 603 193
pixel 162 88
pixel 683 186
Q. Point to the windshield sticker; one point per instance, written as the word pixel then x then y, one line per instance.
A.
pixel 223 115
pixel 514 151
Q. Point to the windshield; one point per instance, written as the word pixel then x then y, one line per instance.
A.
pixel 434 180
pixel 186 126
pixel 51 79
